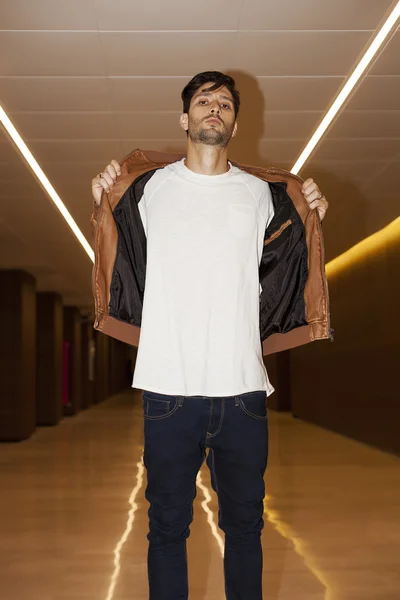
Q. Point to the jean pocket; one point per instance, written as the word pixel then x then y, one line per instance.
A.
pixel 157 406
pixel 254 404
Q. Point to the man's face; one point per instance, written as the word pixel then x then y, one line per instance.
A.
pixel 211 118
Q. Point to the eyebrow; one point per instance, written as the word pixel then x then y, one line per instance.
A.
pixel 204 93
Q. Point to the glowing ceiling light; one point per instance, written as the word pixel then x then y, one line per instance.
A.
pixel 30 159
pixel 351 82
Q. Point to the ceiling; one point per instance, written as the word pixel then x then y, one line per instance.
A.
pixel 85 82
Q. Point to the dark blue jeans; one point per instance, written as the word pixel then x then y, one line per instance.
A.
pixel 178 430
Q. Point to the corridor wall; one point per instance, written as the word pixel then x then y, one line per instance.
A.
pixel 352 385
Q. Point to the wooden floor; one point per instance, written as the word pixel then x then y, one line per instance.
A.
pixel 74 518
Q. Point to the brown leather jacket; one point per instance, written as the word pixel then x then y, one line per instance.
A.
pixel 294 307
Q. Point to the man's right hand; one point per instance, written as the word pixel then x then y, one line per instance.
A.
pixel 105 180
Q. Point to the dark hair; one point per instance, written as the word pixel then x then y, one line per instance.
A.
pixel 219 80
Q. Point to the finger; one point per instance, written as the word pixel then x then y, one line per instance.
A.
pixel 306 184
pixel 98 182
pixel 116 166
pixel 110 169
pixel 311 189
pixel 321 204
pixel 314 205
pixel 108 179
pixel 315 195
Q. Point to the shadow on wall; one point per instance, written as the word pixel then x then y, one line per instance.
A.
pixel 245 147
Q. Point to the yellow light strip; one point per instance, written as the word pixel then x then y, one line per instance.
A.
pixel 128 529
pixel 300 547
pixel 351 82
pixel 209 513
pixel 369 245
pixel 30 159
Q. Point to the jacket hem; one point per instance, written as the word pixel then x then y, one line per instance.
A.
pixel 125 332
pixel 279 342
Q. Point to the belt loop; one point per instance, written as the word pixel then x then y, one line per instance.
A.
pixel 180 400
pixel 236 400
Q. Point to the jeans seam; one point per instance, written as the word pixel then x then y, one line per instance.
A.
pixel 211 435
pixel 209 420
pixel 215 475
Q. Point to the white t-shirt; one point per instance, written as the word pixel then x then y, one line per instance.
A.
pixel 200 332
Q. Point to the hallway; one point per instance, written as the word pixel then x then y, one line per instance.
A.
pixel 74 516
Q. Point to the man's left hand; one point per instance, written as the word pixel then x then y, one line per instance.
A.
pixel 314 197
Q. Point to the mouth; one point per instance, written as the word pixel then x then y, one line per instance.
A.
pixel 214 120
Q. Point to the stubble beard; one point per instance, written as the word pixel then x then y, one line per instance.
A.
pixel 209 137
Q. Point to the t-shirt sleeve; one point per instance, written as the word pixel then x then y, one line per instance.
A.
pixel 142 209
pixel 265 205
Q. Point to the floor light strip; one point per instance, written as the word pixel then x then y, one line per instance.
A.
pixel 209 513
pixel 30 159
pixel 128 529
pixel 351 82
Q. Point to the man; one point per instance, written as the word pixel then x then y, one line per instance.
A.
pixel 208 260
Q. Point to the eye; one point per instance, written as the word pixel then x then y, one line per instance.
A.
pixel 226 106
pixel 200 101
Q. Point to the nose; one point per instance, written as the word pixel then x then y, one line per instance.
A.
pixel 215 109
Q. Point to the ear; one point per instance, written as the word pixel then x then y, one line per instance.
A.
pixel 234 129
pixel 184 121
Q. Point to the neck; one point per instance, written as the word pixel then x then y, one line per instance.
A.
pixel 206 160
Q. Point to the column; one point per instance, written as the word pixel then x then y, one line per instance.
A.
pixel 72 361
pixel 49 364
pixel 17 355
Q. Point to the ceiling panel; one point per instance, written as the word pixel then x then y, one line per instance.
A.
pixel 224 14
pixel 291 125
pixel 305 93
pixel 52 125
pixel 388 62
pixel 377 93
pixel 149 125
pixel 358 149
pixel 55 93
pixel 80 172
pixel 147 94
pixel 294 53
pixel 364 124
pixel 50 53
pixel 48 14
pixel 358 172
pixel 14 190
pixel 75 150
pixel 274 151
pixel 312 14
pixel 167 54
pixel 178 14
